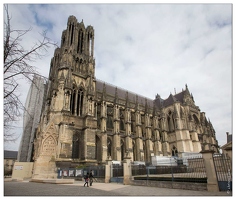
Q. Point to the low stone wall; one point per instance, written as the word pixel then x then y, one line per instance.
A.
pixel 172 185
pixel 53 181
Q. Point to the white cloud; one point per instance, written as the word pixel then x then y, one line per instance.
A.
pixel 151 48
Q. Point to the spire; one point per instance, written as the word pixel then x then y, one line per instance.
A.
pixel 186 89
pixel 116 97
pixel 192 97
pixel 127 100
pixel 158 96
pixel 104 92
pixel 146 106
pixel 136 103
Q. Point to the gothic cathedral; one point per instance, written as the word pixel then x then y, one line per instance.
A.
pixel 85 120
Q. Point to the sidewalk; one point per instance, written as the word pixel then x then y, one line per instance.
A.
pixel 131 190
pixel 27 188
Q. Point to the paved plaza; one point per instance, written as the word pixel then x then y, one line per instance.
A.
pixel 27 188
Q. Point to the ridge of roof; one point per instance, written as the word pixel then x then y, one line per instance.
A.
pixel 111 89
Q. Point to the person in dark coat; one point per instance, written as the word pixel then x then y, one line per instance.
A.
pixel 91 177
pixel 86 179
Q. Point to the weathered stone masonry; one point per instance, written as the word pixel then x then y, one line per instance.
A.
pixel 86 120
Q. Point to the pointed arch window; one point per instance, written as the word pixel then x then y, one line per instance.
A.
pixel 90 44
pixel 76 102
pixel 71 29
pixel 174 151
pixel 72 101
pixel 80 102
pixel 122 126
pixel 80 41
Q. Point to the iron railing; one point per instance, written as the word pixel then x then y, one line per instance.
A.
pixel 189 170
pixel 223 168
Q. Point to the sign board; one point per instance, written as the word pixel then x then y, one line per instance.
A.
pixel 78 172
pixel 18 167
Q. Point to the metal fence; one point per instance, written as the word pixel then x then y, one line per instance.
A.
pixel 98 170
pixel 138 170
pixel 117 173
pixel 117 170
pixel 223 167
pixel 187 170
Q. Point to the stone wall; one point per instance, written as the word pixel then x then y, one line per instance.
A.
pixel 172 185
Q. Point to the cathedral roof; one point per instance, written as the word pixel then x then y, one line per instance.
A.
pixel 180 96
pixel 122 93
pixel 170 100
pixel 159 102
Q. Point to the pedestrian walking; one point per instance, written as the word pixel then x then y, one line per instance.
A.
pixel 86 179
pixel 91 177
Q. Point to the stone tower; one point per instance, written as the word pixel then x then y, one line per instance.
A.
pixel 68 126
pixel 85 120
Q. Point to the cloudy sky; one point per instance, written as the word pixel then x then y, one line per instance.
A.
pixel 148 49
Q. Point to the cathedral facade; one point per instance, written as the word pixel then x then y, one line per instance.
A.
pixel 86 120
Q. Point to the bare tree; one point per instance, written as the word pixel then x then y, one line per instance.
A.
pixel 18 65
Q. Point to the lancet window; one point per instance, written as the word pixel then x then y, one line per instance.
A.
pixel 71 30
pixel 90 44
pixel 174 151
pixel 80 41
pixel 76 102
